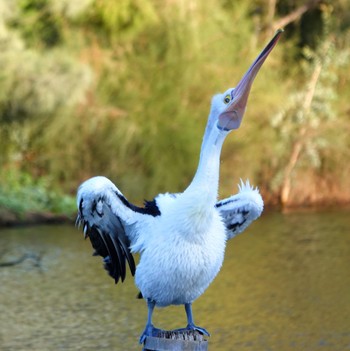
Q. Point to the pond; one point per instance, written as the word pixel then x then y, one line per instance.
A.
pixel 285 285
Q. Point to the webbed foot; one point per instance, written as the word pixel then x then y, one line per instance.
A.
pixel 192 327
pixel 150 330
pixel 199 329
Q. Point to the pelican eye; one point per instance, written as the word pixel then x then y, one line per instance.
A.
pixel 227 98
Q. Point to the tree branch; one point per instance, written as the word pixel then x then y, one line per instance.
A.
pixel 299 142
pixel 294 15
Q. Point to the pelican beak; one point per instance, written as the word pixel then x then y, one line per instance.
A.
pixel 232 116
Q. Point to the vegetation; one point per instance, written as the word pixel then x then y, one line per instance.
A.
pixel 23 194
pixel 122 88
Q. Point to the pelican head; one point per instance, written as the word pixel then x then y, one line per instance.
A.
pixel 230 105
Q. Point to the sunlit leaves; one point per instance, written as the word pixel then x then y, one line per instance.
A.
pixel 123 19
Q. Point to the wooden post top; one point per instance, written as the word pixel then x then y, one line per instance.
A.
pixel 176 341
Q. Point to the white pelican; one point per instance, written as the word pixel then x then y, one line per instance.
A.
pixel 181 237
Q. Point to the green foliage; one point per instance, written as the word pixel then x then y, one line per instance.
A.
pixel 37 23
pixel 123 19
pixel 20 193
pixel 122 88
pixel 35 87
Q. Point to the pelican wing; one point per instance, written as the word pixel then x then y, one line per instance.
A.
pixel 240 210
pixel 107 219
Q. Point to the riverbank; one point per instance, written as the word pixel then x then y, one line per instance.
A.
pixel 9 218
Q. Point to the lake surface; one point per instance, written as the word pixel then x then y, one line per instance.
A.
pixel 285 285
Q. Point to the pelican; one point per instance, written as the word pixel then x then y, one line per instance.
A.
pixel 181 237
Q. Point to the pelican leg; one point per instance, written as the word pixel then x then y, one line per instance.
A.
pixel 190 324
pixel 150 330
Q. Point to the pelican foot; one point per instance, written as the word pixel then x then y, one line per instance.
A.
pixel 150 330
pixel 192 327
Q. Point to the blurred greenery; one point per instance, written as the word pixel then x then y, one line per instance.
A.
pixel 24 194
pixel 122 88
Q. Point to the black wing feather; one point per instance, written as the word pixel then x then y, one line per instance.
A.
pixel 128 256
pixel 107 236
pixel 109 253
pixel 117 256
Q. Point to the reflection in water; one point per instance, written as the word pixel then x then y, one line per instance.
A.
pixel 285 285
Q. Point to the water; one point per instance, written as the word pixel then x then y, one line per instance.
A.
pixel 285 285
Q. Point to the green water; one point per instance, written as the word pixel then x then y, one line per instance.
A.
pixel 285 285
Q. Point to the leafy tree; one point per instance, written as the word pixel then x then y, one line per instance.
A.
pixel 303 124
